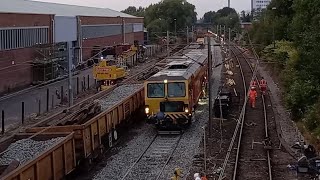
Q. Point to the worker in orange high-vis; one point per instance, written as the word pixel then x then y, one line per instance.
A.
pixel 252 97
pixel 263 86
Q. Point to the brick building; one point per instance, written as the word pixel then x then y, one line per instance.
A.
pixel 26 24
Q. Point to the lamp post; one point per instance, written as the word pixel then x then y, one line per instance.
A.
pixel 70 57
pixel 274 42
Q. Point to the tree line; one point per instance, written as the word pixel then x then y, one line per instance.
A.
pixel 294 24
pixel 177 15
pixel 172 15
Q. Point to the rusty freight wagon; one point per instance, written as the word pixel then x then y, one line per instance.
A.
pixel 46 156
pixel 92 134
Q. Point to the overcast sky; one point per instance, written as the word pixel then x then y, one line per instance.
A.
pixel 202 6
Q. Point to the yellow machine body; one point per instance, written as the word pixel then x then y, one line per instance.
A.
pixel 107 74
pixel 104 71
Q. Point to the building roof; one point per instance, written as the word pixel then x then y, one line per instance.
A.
pixel 193 60
pixel 36 7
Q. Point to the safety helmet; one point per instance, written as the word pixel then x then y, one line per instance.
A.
pixel 196 175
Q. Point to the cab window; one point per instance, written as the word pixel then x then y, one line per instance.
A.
pixel 156 90
pixel 176 89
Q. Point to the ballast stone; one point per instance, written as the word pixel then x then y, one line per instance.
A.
pixel 25 149
pixel 118 95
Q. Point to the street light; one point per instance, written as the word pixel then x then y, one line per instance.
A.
pixel 274 43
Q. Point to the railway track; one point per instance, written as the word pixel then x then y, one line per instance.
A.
pixel 249 146
pixel 154 158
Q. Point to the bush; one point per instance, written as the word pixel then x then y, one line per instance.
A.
pixel 312 119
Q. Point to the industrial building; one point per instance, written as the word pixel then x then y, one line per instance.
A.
pixel 259 4
pixel 34 35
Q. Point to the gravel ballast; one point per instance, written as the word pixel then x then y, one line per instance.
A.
pixel 118 94
pixel 25 149
pixel 188 146
pixel 118 164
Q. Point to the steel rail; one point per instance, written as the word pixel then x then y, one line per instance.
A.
pixel 169 158
pixel 128 171
pixel 240 122
pixel 139 158
pixel 264 111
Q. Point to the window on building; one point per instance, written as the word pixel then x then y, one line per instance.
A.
pixel 22 37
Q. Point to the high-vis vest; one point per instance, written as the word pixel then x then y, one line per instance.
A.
pixel 253 94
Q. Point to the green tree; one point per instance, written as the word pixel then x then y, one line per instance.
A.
pixel 166 15
pixel 296 21
pixel 209 17
pixel 226 16
pixel 135 11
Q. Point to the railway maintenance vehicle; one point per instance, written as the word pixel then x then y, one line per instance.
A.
pixel 172 94
pixel 108 73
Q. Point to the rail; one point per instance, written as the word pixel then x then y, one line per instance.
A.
pixel 157 161
pixel 241 122
pixel 264 109
pixel 264 116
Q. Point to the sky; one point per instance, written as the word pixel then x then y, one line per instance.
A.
pixel 202 6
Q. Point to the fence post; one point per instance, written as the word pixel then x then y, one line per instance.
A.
pixel 77 85
pixel 84 83
pixel 22 113
pixel 2 122
pixel 88 81
pixel 39 106
pixel 62 94
pixel 52 105
pixel 47 99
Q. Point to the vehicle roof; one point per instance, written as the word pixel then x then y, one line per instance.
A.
pixel 193 59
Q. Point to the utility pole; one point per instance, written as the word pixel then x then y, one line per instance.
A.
pixel 192 29
pixel 274 42
pixel 70 57
pixel 168 44
pixel 210 85
pixel 175 27
pixel 187 35
pixel 220 31
pixel 228 3
pixel 229 41
pixel 217 30
pixel 224 33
